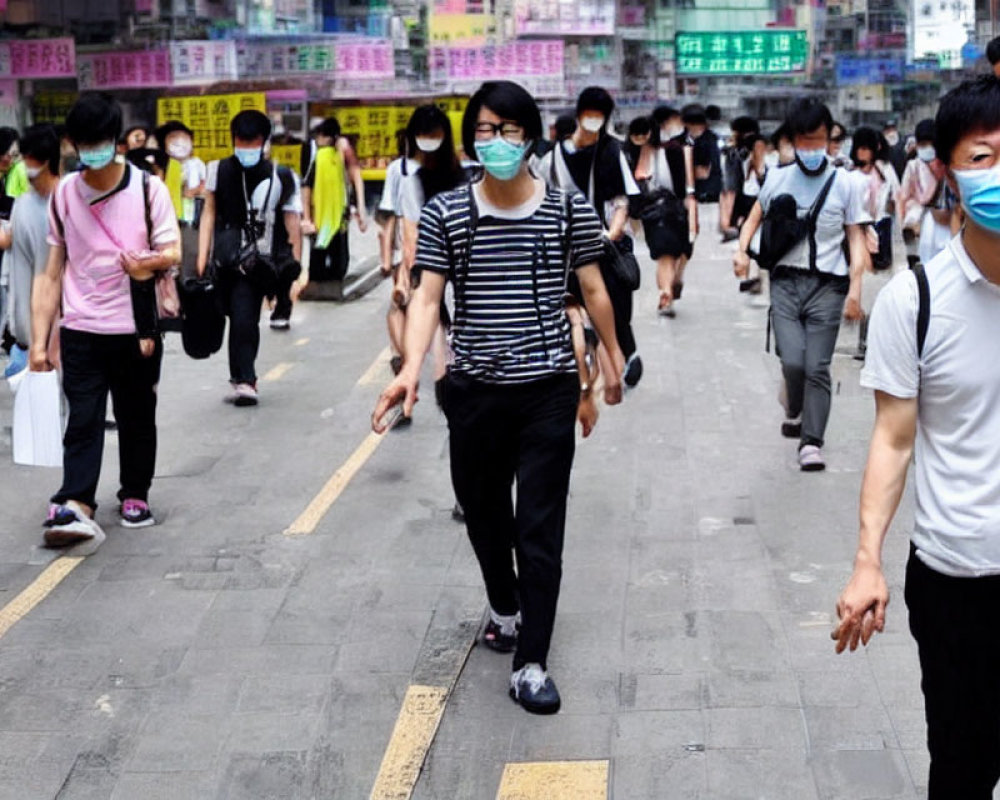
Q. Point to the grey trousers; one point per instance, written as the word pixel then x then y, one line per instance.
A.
pixel 806 310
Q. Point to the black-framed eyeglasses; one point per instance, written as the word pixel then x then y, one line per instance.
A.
pixel 508 131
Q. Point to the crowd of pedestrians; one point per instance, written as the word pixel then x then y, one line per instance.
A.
pixel 512 260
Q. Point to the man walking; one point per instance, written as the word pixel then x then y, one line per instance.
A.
pixel 933 366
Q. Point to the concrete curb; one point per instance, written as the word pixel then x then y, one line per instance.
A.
pixel 366 277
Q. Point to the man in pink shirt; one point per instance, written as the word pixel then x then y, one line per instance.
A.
pixel 107 226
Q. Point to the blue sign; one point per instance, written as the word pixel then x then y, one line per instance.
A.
pixel 853 70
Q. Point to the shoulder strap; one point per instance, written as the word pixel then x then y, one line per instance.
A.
pixel 813 216
pixel 148 214
pixel 923 306
pixel 567 237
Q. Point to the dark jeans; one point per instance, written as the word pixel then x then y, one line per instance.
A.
pixel 330 263
pixel 94 364
pixel 955 623
pixel 283 296
pixel 502 435
pixel 806 309
pixel 621 304
pixel 243 307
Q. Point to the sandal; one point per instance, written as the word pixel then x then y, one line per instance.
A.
pixel 666 305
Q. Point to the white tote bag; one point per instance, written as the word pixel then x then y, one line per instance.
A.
pixel 38 427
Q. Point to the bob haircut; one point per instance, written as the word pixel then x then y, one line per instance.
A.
pixel 807 115
pixel 972 107
pixel 870 139
pixel 250 125
pixel 662 113
pixel 640 126
pixel 429 119
pixel 328 127
pixel 509 102
pixel 594 98
pixel 41 143
pixel 565 126
pixel 95 118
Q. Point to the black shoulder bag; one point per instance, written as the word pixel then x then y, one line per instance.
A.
pixel 781 229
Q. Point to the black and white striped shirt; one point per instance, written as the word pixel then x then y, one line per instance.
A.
pixel 510 323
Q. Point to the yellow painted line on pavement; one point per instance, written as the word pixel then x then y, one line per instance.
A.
pixel 555 780
pixel 376 373
pixel 415 729
pixel 38 590
pixel 302 342
pixel 277 372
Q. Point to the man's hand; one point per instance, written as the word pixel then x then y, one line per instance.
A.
pixel 362 221
pixel 852 308
pixel 741 264
pixel 38 360
pixel 861 608
pixel 586 414
pixel 308 227
pixel 613 381
pixel 402 390
pixel 140 268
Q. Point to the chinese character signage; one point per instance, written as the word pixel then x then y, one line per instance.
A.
pixel 262 59
pixel 197 62
pixel 768 52
pixel 38 58
pixel 209 117
pixel 365 60
pixel 537 65
pixel 142 69
pixel 465 28
pixel 52 105
pixel 555 18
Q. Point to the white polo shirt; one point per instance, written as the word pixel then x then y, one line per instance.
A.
pixel 957 380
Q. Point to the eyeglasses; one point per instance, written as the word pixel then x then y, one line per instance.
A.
pixel 509 131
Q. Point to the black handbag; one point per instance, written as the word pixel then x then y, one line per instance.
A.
pixel 662 207
pixel 203 323
pixel 882 259
pixel 619 259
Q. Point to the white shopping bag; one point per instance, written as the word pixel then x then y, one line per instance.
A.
pixel 38 428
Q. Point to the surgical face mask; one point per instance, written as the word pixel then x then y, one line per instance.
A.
pixel 249 157
pixel 429 144
pixel 179 150
pixel 811 160
pixel 33 172
pixel 771 159
pixel 927 154
pixel 500 158
pixel 980 193
pixel 892 138
pixel 671 131
pixel 592 124
pixel 97 157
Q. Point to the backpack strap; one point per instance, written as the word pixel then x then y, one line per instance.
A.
pixel 148 213
pixel 813 217
pixel 923 306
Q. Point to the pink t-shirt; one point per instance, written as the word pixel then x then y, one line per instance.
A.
pixel 96 296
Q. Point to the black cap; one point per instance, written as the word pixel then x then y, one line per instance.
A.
pixel 925 130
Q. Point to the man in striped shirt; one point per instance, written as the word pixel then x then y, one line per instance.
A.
pixel 512 393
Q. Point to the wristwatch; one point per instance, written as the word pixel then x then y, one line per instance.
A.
pixel 584 389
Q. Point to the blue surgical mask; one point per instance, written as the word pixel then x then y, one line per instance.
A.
pixel 500 158
pixel 249 157
pixel 980 193
pixel 811 160
pixel 97 157
pixel 927 154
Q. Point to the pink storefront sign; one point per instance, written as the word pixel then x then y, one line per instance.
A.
pixel 537 65
pixel 40 58
pixel 357 60
pixel 138 70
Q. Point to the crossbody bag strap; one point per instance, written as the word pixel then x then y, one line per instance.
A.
pixel 923 307
pixel 463 267
pixel 567 237
pixel 813 217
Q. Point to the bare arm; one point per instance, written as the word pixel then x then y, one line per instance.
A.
pixel 860 261
pixel 410 233
pixel 46 292
pixel 618 222
pixel 294 228
pixel 386 242
pixel 422 318
pixel 308 226
pixel 741 261
pixel 861 607
pixel 6 235
pixel 205 231
pixel 598 304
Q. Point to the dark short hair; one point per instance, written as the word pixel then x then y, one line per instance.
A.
pixel 41 142
pixel 145 157
pixel 694 114
pixel 993 51
pixel 132 128
pixel 96 117
pixel 808 114
pixel 744 126
pixel 595 98
pixel 784 131
pixel 662 113
pixel 329 127
pixel 167 128
pixel 8 137
pixel 924 131
pixel 508 101
pixel 565 126
pixel 249 125
pixel 870 139
pixel 837 132
pixel 427 119
pixel 713 113
pixel 640 126
pixel 971 107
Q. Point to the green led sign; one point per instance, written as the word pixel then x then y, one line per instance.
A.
pixel 768 52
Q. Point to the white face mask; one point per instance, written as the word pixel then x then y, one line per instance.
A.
pixel 926 154
pixel 179 150
pixel 892 138
pixel 33 172
pixel 671 131
pixel 592 124
pixel 771 159
pixel 429 144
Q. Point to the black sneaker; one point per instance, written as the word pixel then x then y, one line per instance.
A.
pixel 534 690
pixel 495 639
pixel 633 371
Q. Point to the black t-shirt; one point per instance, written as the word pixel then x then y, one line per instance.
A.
pixel 231 199
pixel 706 154
pixel 604 158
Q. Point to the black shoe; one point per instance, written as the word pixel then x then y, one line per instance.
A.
pixel 396 363
pixel 750 286
pixel 791 429
pixel 534 690
pixel 633 371
pixel 458 513
pixel 495 639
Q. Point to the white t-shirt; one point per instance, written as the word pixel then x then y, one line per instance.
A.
pixel 192 174
pixel 843 206
pixel 392 192
pixel 957 381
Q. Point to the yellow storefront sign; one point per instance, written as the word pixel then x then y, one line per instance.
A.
pixel 209 117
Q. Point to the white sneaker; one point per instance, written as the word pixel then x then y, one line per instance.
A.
pixel 534 690
pixel 67 525
pixel 244 394
pixel 811 459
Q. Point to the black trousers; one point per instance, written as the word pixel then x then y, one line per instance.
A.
pixel 93 365
pixel 331 262
pixel 502 436
pixel 955 622
pixel 243 302
pixel 621 304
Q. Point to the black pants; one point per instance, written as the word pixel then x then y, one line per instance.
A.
pixel 287 275
pixel 524 434
pixel 331 262
pixel 955 622
pixel 243 301
pixel 621 304
pixel 94 364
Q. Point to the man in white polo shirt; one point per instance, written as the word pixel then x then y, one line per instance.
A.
pixel 932 361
